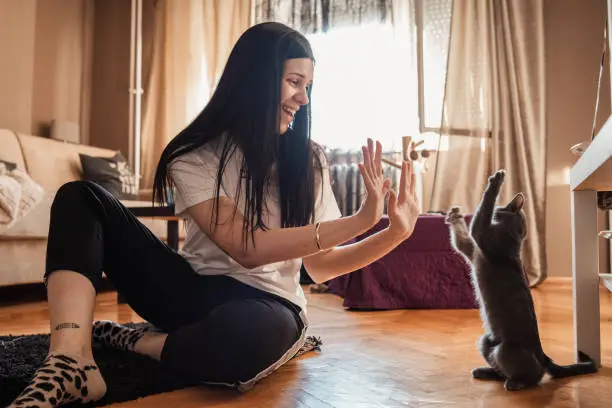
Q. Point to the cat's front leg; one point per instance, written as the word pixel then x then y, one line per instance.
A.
pixel 460 237
pixel 484 213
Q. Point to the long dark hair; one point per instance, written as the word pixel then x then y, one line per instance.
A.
pixel 245 108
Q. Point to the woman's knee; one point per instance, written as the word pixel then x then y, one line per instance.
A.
pixel 235 343
pixel 73 195
pixel 71 191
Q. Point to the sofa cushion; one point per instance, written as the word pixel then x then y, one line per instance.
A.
pixel 51 163
pixel 112 173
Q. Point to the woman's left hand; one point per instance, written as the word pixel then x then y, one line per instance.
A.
pixel 376 185
pixel 403 208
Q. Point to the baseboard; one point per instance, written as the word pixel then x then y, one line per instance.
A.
pixel 558 279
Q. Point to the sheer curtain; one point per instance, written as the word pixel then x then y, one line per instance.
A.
pixel 312 16
pixel 365 86
pixel 494 113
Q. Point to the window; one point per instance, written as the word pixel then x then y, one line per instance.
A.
pixel 367 81
pixel 364 87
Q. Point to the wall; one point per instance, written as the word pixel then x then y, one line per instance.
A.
pixel 43 69
pixel 62 64
pixel 69 60
pixel 17 23
pixel 111 76
pixel 110 100
pixel 574 40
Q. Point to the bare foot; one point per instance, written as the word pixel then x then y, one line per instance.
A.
pixel 61 379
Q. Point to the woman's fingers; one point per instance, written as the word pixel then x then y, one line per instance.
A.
pixel 412 182
pixel 386 186
pixel 371 154
pixel 366 159
pixel 403 183
pixel 392 202
pixel 372 170
pixel 409 178
pixel 367 180
pixel 378 158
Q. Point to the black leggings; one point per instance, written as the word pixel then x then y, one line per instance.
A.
pixel 219 329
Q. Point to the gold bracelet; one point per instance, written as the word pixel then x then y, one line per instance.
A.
pixel 317 225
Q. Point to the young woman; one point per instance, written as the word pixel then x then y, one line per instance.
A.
pixel 256 195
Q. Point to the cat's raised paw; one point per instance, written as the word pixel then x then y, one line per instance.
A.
pixel 453 215
pixel 498 176
pixel 497 179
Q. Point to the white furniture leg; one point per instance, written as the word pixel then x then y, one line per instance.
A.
pixel 585 270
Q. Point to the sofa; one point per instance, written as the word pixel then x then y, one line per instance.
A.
pixel 50 163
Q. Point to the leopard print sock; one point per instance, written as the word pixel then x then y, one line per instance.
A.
pixel 62 379
pixel 116 335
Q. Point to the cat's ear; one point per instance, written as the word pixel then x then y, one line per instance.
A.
pixel 517 202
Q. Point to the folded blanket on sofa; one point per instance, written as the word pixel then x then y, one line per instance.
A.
pixel 19 194
pixel 10 196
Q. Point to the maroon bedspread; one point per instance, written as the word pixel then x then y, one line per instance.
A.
pixel 421 273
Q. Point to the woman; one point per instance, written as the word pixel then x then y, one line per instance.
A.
pixel 256 195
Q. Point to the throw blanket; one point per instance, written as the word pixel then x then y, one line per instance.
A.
pixel 19 194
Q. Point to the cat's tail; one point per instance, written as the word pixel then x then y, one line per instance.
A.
pixel 585 366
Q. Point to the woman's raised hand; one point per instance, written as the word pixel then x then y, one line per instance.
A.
pixel 403 208
pixel 377 187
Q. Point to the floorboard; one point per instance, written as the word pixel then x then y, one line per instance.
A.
pixel 401 358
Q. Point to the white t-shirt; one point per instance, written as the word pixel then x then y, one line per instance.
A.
pixel 195 175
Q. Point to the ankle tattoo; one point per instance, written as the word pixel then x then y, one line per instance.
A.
pixel 67 326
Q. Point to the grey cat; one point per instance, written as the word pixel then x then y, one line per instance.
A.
pixel 511 344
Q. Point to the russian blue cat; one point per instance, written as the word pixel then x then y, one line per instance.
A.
pixel 511 343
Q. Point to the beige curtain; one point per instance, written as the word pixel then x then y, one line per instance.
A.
pixel 191 42
pixel 493 113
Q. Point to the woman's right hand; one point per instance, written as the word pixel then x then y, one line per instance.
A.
pixel 377 187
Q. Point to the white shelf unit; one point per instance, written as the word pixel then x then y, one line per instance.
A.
pixel 591 173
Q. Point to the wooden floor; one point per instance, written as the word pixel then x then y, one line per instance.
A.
pixel 404 358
